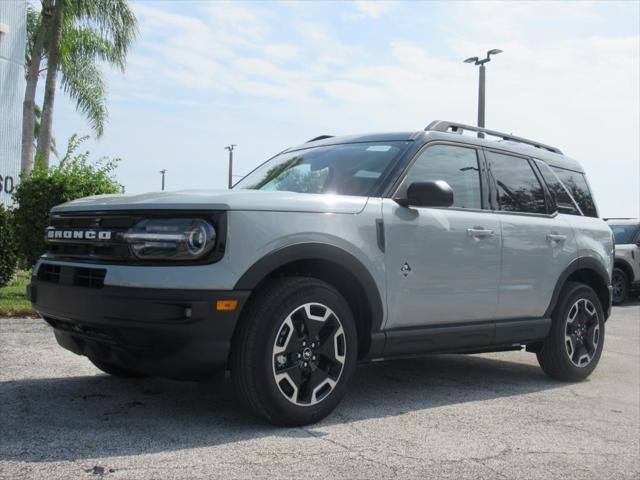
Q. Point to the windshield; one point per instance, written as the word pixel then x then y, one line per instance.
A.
pixel 624 233
pixel 347 169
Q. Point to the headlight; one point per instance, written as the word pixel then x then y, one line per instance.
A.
pixel 171 238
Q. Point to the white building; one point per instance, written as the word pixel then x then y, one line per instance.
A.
pixel 13 34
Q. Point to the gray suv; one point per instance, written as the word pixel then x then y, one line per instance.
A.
pixel 340 250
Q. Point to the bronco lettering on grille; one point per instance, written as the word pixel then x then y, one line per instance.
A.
pixel 91 235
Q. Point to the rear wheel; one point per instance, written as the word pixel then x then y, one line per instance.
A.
pixel 115 370
pixel 573 347
pixel 620 284
pixel 295 351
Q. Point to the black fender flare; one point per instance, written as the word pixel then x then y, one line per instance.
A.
pixel 626 267
pixel 580 263
pixel 317 251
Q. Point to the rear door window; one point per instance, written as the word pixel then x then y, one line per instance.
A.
pixel 519 189
pixel 576 183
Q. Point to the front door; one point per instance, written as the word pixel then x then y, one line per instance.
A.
pixel 442 264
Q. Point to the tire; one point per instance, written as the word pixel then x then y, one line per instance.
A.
pixel 115 370
pixel 574 345
pixel 295 351
pixel 620 284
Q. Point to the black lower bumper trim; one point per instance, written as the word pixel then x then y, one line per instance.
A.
pixel 170 333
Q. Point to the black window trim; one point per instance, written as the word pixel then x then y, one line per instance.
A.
pixel 399 183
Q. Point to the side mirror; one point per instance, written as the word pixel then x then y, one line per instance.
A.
pixel 427 194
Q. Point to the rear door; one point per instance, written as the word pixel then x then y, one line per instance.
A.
pixel 537 242
pixel 442 264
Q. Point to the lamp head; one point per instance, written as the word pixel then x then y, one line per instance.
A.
pixel 495 51
pixel 471 60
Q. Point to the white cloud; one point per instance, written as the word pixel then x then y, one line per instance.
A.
pixel 374 8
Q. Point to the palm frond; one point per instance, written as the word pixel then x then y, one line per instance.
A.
pixel 82 80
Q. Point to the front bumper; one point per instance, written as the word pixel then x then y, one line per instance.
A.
pixel 169 333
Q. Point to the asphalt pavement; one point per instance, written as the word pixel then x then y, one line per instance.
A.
pixel 446 416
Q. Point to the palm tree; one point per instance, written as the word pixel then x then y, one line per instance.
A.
pixel 78 34
pixel 37 27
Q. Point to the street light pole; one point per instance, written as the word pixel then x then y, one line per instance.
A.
pixel 481 88
pixel 163 171
pixel 482 83
pixel 230 148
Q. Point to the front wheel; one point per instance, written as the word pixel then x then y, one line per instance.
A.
pixel 295 351
pixel 620 285
pixel 574 345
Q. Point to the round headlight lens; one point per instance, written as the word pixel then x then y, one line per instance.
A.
pixel 197 239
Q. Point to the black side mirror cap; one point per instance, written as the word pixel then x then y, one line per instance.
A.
pixel 427 194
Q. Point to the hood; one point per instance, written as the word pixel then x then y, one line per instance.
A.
pixel 260 200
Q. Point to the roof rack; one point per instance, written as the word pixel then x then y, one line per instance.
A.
pixel 453 127
pixel 321 137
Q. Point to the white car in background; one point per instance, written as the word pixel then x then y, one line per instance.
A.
pixel 626 272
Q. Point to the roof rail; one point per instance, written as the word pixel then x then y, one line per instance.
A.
pixel 321 137
pixel 453 127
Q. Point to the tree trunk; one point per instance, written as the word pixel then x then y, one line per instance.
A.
pixel 46 123
pixel 28 105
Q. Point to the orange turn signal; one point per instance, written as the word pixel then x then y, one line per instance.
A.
pixel 226 305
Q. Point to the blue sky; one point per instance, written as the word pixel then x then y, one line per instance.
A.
pixel 267 75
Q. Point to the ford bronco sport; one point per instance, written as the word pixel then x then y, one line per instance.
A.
pixel 343 249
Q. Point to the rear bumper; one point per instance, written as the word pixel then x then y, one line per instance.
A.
pixel 170 333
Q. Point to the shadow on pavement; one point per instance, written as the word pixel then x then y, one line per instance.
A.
pixel 99 416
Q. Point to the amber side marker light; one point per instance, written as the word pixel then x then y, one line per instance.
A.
pixel 226 305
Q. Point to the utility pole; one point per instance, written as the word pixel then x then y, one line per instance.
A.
pixel 482 82
pixel 230 148
pixel 163 171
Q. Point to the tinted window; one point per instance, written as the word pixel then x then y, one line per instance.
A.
pixel 347 169
pixel 458 166
pixel 559 193
pixel 624 233
pixel 577 185
pixel 518 187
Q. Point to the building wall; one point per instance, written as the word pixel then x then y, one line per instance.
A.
pixel 13 33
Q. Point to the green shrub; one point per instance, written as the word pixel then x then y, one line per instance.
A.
pixel 44 188
pixel 8 253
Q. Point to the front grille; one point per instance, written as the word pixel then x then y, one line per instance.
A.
pixel 113 250
pixel 49 273
pixel 67 275
pixel 89 277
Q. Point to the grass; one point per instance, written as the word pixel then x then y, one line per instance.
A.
pixel 13 299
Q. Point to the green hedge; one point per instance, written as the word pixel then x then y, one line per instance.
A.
pixel 8 252
pixel 44 188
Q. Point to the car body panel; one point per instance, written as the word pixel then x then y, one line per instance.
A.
pixel 532 261
pixel 253 200
pixel 436 272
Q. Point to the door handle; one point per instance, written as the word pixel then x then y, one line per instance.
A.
pixel 479 232
pixel 556 238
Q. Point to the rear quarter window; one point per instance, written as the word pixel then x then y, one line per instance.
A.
pixel 577 185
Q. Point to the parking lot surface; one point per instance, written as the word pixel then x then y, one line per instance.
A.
pixel 446 416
